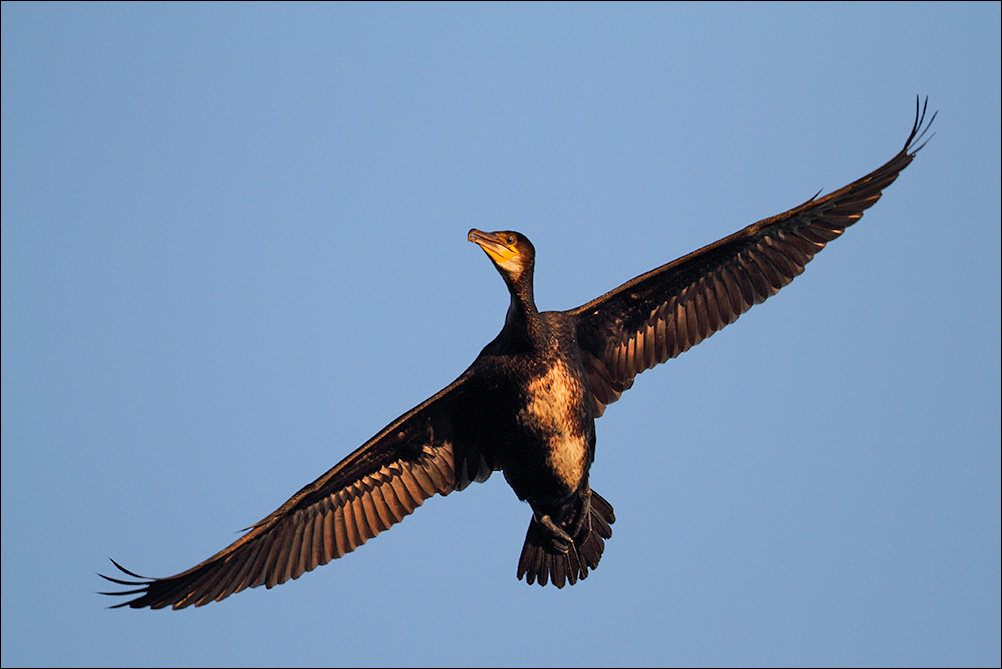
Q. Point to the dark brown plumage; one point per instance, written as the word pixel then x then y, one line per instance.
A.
pixel 527 404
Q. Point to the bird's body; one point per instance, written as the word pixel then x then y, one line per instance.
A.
pixel 528 409
pixel 527 405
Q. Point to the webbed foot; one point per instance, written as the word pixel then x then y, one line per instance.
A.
pixel 561 540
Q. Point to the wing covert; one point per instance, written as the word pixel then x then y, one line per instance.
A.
pixel 663 313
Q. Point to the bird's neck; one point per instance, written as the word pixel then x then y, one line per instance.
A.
pixel 522 323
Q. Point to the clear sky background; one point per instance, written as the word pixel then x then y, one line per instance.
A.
pixel 234 247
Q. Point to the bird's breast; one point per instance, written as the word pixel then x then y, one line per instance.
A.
pixel 555 409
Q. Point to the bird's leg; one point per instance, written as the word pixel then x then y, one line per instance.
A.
pixel 585 515
pixel 561 540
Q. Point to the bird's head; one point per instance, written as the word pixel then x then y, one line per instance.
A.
pixel 511 252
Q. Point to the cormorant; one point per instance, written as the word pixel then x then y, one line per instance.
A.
pixel 527 405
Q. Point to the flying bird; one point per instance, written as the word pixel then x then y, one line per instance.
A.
pixel 527 405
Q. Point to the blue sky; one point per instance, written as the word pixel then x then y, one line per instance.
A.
pixel 234 247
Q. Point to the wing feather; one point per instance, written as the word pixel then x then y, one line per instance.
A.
pixel 375 487
pixel 668 310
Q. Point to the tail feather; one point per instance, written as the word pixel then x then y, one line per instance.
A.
pixel 542 562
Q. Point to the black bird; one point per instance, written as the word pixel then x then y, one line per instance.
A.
pixel 527 405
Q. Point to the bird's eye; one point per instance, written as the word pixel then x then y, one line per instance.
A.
pixel 509 239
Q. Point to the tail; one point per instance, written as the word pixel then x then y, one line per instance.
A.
pixel 542 561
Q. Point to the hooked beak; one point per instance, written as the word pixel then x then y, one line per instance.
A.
pixel 492 244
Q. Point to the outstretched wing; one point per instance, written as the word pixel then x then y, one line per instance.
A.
pixel 376 486
pixel 668 310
